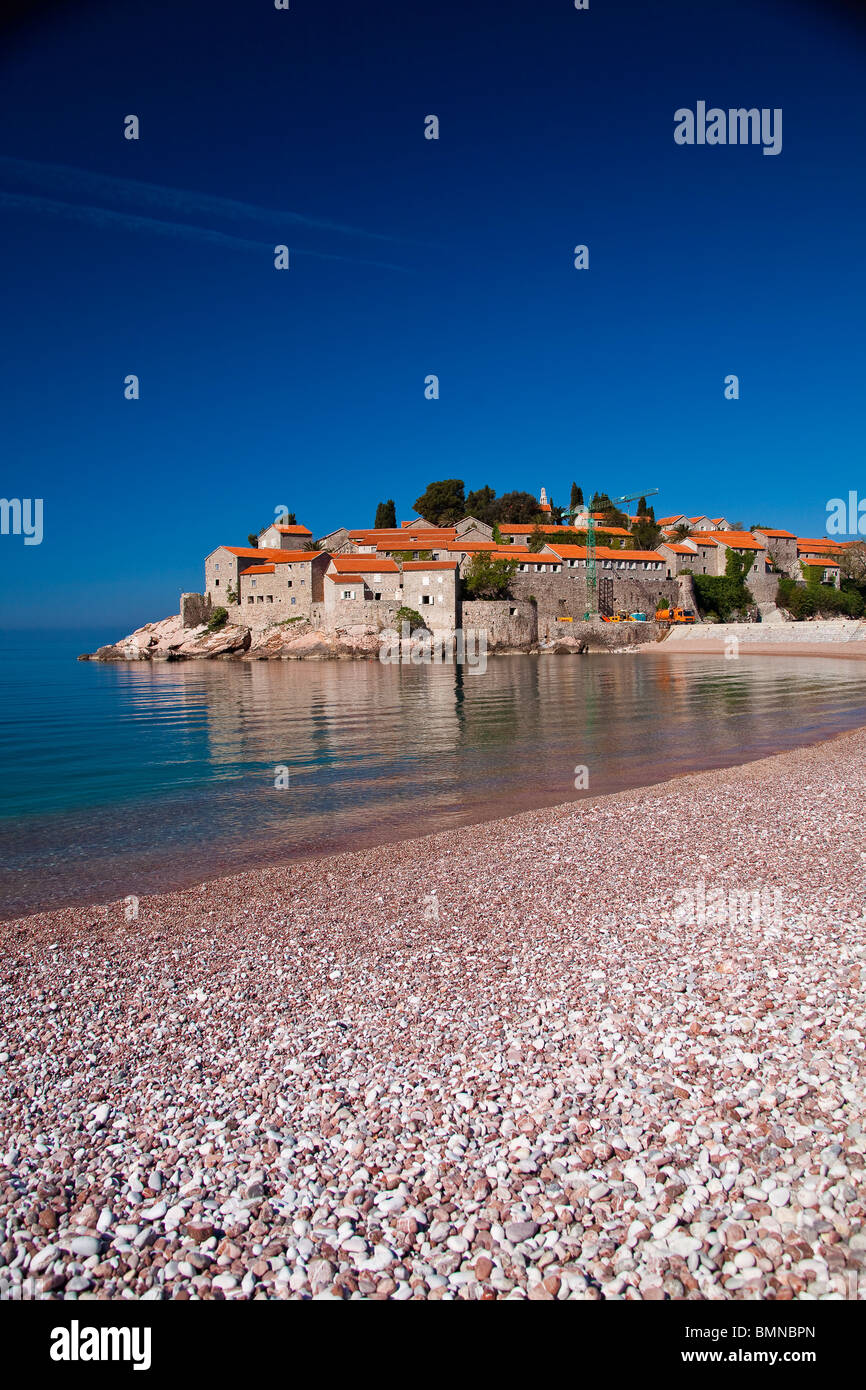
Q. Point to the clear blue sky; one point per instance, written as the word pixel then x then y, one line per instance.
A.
pixel 411 257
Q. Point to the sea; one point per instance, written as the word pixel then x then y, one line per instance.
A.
pixel 127 779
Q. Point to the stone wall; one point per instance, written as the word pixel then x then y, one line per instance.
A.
pixel 195 609
pixel 564 596
pixel 441 585
pixel 509 623
pixel 354 612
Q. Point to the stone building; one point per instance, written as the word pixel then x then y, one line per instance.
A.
pixel 380 575
pixel 286 586
pixel 431 587
pixel 279 536
pixel 781 550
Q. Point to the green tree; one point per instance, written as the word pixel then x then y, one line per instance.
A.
pixel 488 577
pixel 386 516
pixel 515 508
pixel 253 540
pixel 482 504
pixel 443 503
pixel 537 540
pixel 646 535
pixel 576 497
pixel 410 616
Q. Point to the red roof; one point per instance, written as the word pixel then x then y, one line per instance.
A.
pixel 782 535
pixel 288 530
pixel 429 565
pixel 680 549
pixel 279 557
pixel 737 540
pixel 357 564
pixel 259 569
pixel 822 543
pixel 345 578
pixel 825 564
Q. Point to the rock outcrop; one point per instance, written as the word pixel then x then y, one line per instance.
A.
pixel 299 640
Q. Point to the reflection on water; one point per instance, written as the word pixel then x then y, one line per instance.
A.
pixel 126 779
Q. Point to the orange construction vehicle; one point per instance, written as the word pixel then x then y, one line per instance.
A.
pixel 667 616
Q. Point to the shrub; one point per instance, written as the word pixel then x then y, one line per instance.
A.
pixel 410 616
pixel 489 578
pixel 218 619
pixel 818 601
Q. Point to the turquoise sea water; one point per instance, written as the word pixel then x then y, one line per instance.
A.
pixel 124 779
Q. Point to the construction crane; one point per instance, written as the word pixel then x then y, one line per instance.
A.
pixel 591 570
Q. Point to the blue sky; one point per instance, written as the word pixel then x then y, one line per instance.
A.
pixel 411 257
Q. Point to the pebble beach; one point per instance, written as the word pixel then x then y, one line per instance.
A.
pixel 527 1059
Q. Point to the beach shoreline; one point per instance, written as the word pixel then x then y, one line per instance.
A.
pixel 481 1064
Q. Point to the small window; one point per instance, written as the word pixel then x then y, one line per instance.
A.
pixel 217 565
pixel 292 600
pixel 269 598
pixel 216 583
pixel 260 599
pixel 250 599
pixel 254 583
pixel 426 598
pixel 289 585
pixel 348 593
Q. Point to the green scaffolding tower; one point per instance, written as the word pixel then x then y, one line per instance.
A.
pixel 591 562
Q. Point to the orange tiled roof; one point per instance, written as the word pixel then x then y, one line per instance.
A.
pixel 824 563
pixel 400 534
pixel 511 552
pixel 738 540
pixel 430 565
pixel 355 564
pixel 680 549
pixel 259 569
pixel 781 535
pixel 263 552
pixel 289 530
pixel 345 578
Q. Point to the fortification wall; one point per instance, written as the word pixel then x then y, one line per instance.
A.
pixel 509 623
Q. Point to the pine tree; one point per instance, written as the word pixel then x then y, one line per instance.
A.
pixel 386 516
pixel 576 497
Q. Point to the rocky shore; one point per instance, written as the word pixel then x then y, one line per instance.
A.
pixel 497 1063
pixel 169 640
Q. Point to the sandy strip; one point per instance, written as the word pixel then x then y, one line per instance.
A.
pixel 706 646
pixel 505 1061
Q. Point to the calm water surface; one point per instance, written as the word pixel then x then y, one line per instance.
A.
pixel 131 778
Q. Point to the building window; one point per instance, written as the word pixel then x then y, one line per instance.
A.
pixel 216 583
pixel 348 593
pixel 217 565
pixel 289 585
pixel 292 600
pixel 253 582
pixel 250 599
pixel 377 596
pixel 426 598
pixel 260 598
pixel 270 598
